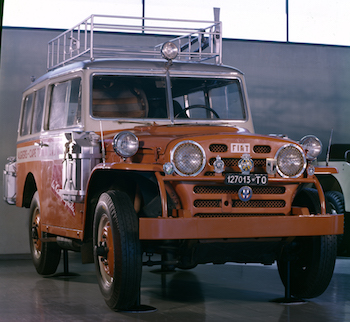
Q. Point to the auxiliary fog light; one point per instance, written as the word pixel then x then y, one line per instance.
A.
pixel 312 146
pixel 126 144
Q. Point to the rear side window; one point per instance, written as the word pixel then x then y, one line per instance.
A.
pixel 65 105
pixel 38 110
pixel 32 115
pixel 27 114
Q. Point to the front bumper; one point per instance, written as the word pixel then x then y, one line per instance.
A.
pixel 301 223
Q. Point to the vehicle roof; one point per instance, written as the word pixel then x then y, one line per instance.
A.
pixel 145 65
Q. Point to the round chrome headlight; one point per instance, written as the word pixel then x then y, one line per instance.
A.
pixel 125 144
pixel 169 50
pixel 312 146
pixel 291 161
pixel 188 158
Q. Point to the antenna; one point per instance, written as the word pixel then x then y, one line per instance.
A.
pixel 329 147
pixel 103 146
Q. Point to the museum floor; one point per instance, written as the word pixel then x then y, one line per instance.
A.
pixel 217 293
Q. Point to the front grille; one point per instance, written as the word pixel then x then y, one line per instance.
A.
pixel 259 204
pixel 254 207
pixel 216 203
pixel 207 203
pixel 262 149
pixel 269 190
pixel 216 148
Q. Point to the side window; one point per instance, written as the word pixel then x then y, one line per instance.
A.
pixel 27 114
pixel 38 110
pixel 74 109
pixel 65 107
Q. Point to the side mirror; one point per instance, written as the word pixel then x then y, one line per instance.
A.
pixel 347 156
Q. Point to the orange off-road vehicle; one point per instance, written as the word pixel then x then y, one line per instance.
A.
pixel 131 151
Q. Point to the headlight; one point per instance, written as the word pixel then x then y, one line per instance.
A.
pixel 125 144
pixel 188 158
pixel 291 161
pixel 169 50
pixel 312 146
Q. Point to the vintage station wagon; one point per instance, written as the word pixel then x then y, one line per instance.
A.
pixel 147 156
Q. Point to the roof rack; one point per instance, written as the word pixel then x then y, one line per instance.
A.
pixel 195 40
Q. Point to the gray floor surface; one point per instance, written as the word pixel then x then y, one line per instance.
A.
pixel 230 292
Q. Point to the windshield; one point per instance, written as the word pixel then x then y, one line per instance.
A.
pixel 144 97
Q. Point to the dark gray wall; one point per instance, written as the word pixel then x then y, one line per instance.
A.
pixel 294 89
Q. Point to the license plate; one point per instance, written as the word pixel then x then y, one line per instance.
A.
pixel 246 179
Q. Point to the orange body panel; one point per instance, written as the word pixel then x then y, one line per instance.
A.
pixel 44 164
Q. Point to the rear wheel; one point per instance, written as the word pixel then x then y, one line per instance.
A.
pixel 312 259
pixel 117 250
pixel 45 256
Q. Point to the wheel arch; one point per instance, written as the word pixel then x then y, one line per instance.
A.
pixel 29 189
pixel 131 182
pixel 332 183
pixel 329 183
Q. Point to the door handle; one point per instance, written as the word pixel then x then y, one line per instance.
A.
pixel 41 144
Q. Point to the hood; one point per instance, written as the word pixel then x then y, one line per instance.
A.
pixel 236 140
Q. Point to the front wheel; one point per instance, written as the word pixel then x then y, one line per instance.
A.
pixel 335 200
pixel 117 250
pixel 45 256
pixel 311 258
pixel 312 261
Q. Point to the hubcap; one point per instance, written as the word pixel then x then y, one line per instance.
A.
pixel 36 233
pixel 105 250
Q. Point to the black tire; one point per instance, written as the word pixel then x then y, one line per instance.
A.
pixel 312 259
pixel 335 200
pixel 45 256
pixel 117 250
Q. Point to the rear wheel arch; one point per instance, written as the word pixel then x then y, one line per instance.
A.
pixel 29 190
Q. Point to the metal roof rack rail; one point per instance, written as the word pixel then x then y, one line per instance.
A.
pixel 195 39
